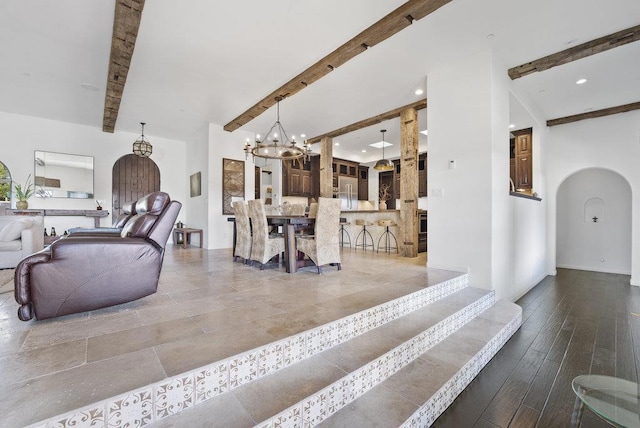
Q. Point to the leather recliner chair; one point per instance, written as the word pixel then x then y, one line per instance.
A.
pixel 87 272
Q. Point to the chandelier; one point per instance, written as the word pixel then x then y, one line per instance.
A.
pixel 142 147
pixel 383 164
pixel 276 144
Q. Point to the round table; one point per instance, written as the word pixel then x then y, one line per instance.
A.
pixel 614 400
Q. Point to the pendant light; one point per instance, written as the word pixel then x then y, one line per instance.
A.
pixel 383 164
pixel 274 147
pixel 142 147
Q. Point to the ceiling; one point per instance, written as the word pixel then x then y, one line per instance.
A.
pixel 201 61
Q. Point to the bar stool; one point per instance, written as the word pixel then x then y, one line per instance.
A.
pixel 364 233
pixel 387 235
pixel 343 231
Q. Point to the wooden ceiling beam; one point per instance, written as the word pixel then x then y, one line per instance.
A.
pixel 584 50
pixel 126 22
pixel 386 27
pixel 418 105
pixel 593 114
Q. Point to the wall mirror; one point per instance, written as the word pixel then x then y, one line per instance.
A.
pixel 61 175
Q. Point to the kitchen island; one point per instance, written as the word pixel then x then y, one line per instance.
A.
pixel 371 216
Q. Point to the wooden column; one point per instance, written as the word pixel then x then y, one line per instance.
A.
pixel 408 229
pixel 326 171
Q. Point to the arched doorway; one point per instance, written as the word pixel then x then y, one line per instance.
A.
pixel 593 223
pixel 132 177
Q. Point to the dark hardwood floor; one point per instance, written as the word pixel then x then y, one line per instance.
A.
pixel 575 323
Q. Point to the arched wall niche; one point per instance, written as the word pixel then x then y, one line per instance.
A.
pixel 603 244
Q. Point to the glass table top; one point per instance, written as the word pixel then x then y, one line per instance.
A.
pixel 613 399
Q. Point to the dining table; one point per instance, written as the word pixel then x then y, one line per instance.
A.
pixel 290 224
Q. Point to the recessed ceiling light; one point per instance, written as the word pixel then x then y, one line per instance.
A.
pixel 419 91
pixel 425 132
pixel 364 151
pixel 581 81
pixel 381 144
pixel 511 126
pixel 336 144
pixel 303 135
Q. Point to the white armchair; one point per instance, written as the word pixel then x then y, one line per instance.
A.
pixel 20 236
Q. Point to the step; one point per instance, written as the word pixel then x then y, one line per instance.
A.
pixel 420 391
pixel 174 394
pixel 305 386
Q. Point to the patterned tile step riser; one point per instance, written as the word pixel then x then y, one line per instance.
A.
pixel 319 406
pixel 172 395
pixel 438 403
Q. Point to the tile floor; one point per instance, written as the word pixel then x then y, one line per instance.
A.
pixel 206 308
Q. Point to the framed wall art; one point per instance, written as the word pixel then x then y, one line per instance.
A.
pixel 232 183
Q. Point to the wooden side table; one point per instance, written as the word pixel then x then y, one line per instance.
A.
pixel 186 235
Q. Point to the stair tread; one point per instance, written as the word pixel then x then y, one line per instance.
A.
pixel 415 383
pixel 292 384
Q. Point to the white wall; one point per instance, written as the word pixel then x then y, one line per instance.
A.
pixel 21 135
pixel 459 117
pixel 605 245
pixel 223 144
pixel 197 160
pixel 475 225
pixel 525 245
pixel 611 142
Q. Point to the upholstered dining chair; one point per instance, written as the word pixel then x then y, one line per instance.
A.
pixel 323 247
pixel 263 246
pixel 243 232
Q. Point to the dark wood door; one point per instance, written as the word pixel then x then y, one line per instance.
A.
pixel 132 177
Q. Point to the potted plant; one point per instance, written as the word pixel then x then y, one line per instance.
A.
pixel 23 193
pixel 384 196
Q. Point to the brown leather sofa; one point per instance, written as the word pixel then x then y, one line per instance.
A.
pixel 86 272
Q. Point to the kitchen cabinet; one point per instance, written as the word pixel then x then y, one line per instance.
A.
pixel 523 172
pixel 521 155
pixel 363 183
pixel 523 142
pixel 422 175
pixel 345 168
pixel 395 194
pixel 386 177
pixel 299 177
pixel 422 231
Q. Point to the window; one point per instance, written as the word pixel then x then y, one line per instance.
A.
pixel 5 183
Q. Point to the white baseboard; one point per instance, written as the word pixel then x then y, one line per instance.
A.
pixel 594 269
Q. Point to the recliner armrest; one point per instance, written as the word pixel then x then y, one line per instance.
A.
pixel 100 231
pixel 22 282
